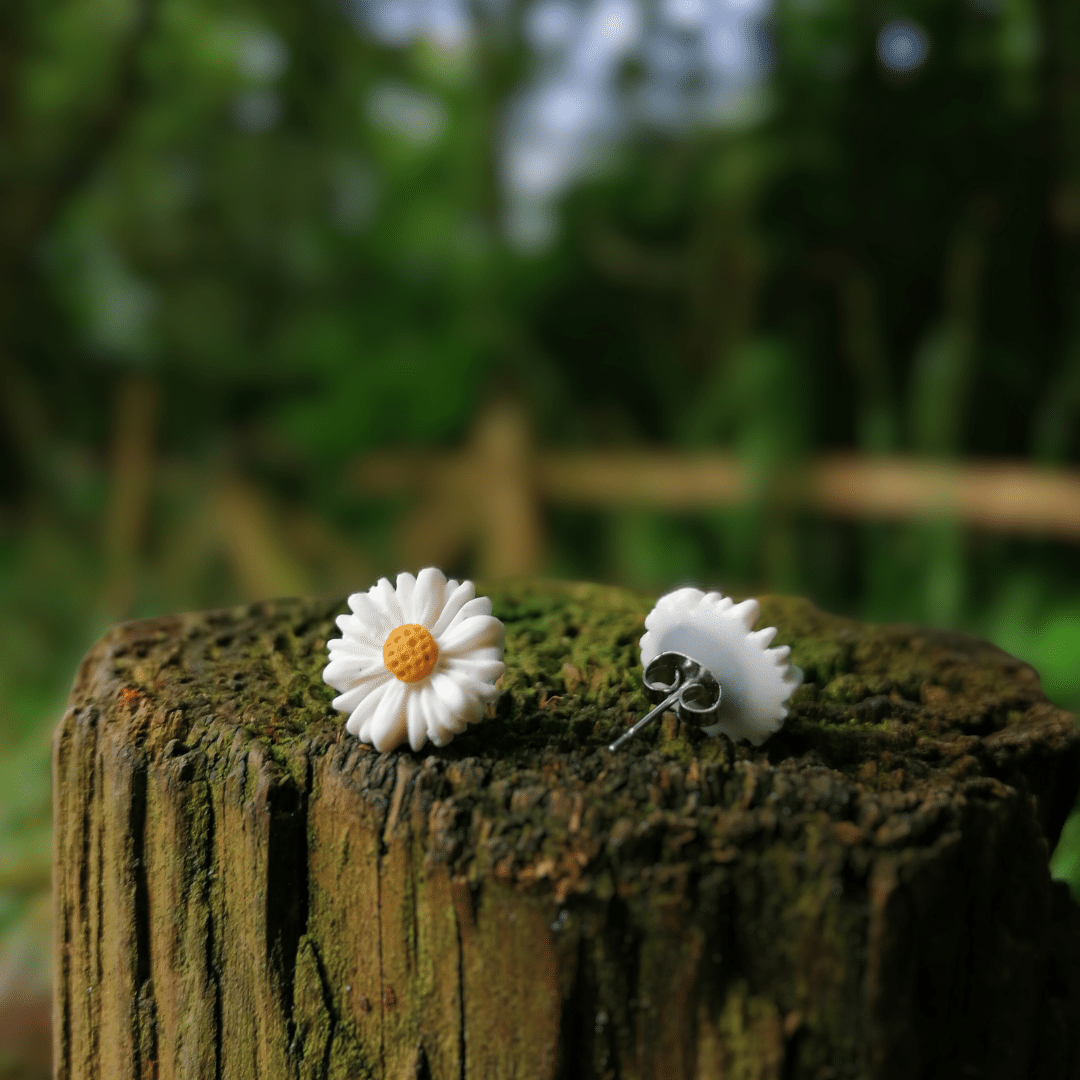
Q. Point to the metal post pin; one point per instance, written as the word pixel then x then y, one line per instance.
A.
pixel 674 679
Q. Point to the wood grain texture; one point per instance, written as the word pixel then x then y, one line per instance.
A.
pixel 244 891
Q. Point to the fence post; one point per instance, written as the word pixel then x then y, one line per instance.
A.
pixel 504 487
pixel 243 890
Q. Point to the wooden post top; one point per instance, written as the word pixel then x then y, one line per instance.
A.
pixel 886 714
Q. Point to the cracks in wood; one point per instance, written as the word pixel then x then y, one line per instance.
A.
pixel 94 991
pixel 421 1069
pixel 137 839
pixel 407 775
pixel 335 1019
pixel 459 932
pixel 144 1035
pixel 90 758
pixel 62 994
pixel 623 948
pixel 315 1020
pixel 382 972
pixel 62 909
pixel 575 1045
pixel 286 883
pixel 213 936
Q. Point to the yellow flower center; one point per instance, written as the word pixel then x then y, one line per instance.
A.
pixel 410 653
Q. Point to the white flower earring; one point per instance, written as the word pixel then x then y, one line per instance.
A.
pixel 702 657
pixel 417 662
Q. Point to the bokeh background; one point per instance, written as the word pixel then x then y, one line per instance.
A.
pixel 766 294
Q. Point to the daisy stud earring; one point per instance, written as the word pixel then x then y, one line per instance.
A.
pixel 702 657
pixel 416 662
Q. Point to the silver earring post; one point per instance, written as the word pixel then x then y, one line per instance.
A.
pixel 679 681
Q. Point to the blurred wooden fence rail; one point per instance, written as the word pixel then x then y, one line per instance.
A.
pixel 491 492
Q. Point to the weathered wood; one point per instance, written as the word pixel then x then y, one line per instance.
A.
pixel 244 891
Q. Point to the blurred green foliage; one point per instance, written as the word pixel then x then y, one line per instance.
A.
pixel 291 239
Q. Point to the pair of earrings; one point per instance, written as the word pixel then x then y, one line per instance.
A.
pixel 419 662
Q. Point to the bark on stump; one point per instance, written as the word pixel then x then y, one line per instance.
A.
pixel 244 891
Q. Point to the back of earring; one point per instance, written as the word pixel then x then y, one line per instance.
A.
pixel 701 655
pixel 678 681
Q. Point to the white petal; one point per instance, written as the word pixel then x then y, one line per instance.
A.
pixel 441 726
pixel 443 734
pixel 347 643
pixel 357 652
pixel 482 669
pixel 488 652
pixel 475 690
pixel 388 725
pixel 454 705
pixel 428 596
pixel 385 599
pixel 406 584
pixel 480 631
pixel 481 605
pixel 371 617
pixel 672 603
pixel 345 671
pixel 348 624
pixel 461 707
pixel 748 611
pixel 433 710
pixel 417 722
pixel 457 596
pixel 361 716
pixel 353 694
pixel 475 712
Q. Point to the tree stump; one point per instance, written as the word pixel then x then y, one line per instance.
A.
pixel 242 890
